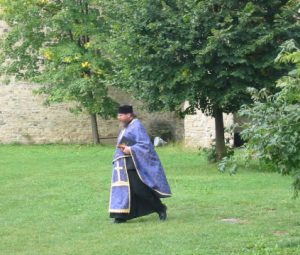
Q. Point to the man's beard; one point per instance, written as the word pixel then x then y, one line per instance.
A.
pixel 124 124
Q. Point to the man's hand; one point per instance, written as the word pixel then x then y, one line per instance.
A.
pixel 126 149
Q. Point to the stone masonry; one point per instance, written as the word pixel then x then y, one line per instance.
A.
pixel 200 129
pixel 24 119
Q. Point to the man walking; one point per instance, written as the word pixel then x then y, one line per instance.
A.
pixel 138 180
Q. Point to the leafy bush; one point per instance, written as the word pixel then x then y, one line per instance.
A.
pixel 273 132
pixel 162 129
pixel 211 152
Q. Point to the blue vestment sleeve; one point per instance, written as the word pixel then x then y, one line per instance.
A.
pixel 146 160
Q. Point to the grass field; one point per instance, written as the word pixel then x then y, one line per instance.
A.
pixel 54 200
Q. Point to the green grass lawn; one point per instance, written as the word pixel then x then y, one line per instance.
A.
pixel 54 200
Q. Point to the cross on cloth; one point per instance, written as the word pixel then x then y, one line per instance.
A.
pixel 118 168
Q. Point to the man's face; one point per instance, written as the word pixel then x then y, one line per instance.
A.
pixel 124 118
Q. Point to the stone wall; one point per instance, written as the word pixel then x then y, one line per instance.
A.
pixel 24 119
pixel 200 129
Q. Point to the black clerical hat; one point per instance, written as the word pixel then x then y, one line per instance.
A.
pixel 125 109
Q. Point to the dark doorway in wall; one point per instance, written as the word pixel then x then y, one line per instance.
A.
pixel 238 140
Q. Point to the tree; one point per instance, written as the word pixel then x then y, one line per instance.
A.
pixel 60 45
pixel 205 52
pixel 273 132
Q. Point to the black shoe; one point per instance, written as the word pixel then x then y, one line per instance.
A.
pixel 163 214
pixel 117 221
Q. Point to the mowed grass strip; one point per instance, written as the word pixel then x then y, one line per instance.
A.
pixel 54 200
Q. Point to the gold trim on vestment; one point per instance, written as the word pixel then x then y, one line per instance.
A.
pixel 125 156
pixel 119 210
pixel 129 190
pixel 120 183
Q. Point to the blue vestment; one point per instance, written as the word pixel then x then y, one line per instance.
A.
pixel 147 165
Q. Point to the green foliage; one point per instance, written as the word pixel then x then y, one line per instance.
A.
pixel 211 152
pixel 206 52
pixel 229 164
pixel 273 131
pixel 59 44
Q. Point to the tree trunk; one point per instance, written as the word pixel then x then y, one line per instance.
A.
pixel 94 124
pixel 220 139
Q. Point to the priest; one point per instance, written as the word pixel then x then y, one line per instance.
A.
pixel 138 179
